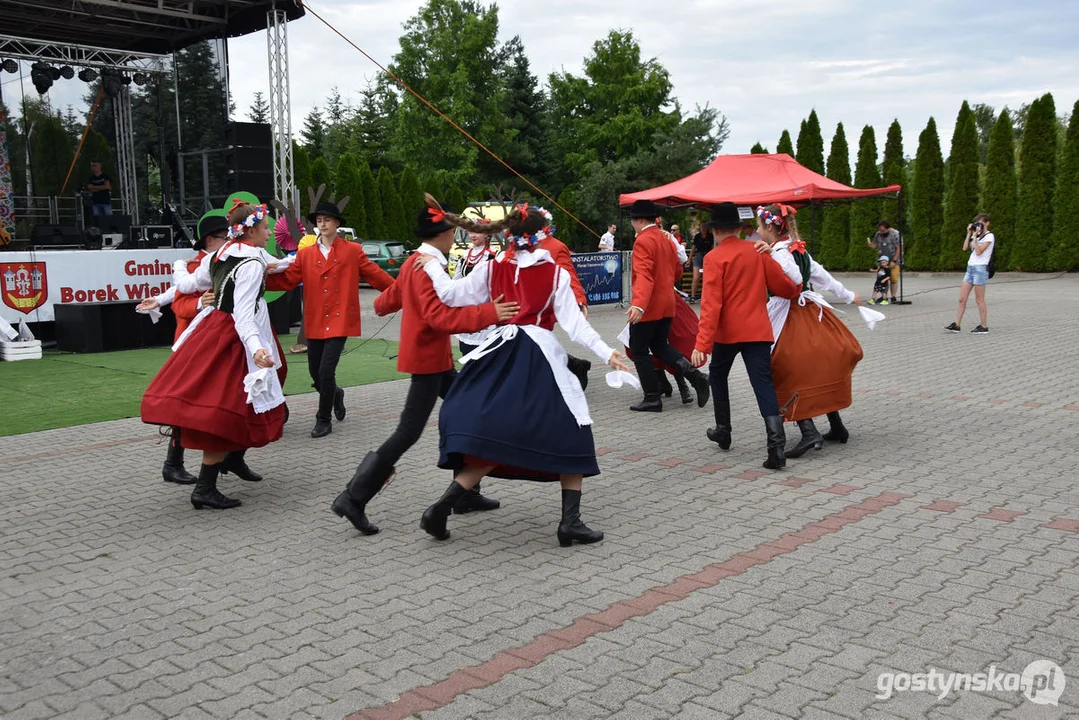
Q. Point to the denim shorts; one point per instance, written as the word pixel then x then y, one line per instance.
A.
pixel 977 274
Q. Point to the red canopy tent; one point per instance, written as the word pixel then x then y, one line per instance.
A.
pixel 752 180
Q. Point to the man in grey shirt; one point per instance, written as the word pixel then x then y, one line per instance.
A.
pixel 888 242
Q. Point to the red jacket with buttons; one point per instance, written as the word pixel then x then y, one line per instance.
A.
pixel 734 299
pixel 426 324
pixel 563 258
pixel 655 271
pixel 185 306
pixel 331 287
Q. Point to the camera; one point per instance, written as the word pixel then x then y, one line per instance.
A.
pixel 977 227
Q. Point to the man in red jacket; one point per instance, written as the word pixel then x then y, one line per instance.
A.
pixel 425 352
pixel 656 268
pixel 330 271
pixel 734 319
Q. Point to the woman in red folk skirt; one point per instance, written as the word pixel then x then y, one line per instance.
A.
pixel 222 386
pixel 814 354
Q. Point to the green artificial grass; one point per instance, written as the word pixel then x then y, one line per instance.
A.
pixel 65 389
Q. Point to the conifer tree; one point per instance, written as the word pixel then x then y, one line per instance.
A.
pixel 320 174
pixel 1037 179
pixel 961 203
pixel 376 227
pixel 785 145
pixel 927 201
pixel 811 145
pixel 347 183
pixel 393 213
pixel 894 172
pixel 758 149
pixel 408 189
pixel 831 252
pixel 1001 194
pixel 865 212
pixel 1065 255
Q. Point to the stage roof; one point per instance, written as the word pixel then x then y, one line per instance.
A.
pixel 138 26
pixel 752 180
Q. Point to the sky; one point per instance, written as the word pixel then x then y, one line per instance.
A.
pixel 763 63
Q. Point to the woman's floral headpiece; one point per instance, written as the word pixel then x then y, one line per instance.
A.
pixel 238 229
pixel 526 241
pixel 779 222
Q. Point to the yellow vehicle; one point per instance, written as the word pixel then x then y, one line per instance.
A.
pixel 489 210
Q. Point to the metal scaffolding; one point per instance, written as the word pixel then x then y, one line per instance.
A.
pixel 280 106
pixel 125 152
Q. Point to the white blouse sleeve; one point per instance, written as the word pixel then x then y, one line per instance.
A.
pixel 573 321
pixel 469 290
pixel 823 280
pixel 198 281
pixel 786 261
pixel 248 289
pixel 166 297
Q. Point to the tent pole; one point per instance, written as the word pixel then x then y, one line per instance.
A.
pixel 902 244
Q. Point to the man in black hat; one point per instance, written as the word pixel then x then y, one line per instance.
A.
pixel 426 354
pixel 656 268
pixel 330 271
pixel 734 319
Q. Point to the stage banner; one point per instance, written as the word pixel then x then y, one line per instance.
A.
pixel 7 191
pixel 600 274
pixel 33 283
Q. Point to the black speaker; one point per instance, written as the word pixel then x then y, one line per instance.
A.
pixel 111 224
pixel 251 134
pixel 250 159
pixel 46 236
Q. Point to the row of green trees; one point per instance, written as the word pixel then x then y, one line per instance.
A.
pixel 583 139
pixel 1022 168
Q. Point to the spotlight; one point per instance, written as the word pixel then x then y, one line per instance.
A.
pixel 67 72
pixel 140 79
pixel 87 75
pixel 42 76
pixel 11 66
pixel 125 79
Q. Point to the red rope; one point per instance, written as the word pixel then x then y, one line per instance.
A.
pixel 445 117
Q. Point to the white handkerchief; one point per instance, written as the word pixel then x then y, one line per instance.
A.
pixel 871 317
pixel 618 378
pixel 24 331
pixel 154 314
pixel 623 337
pixel 6 331
pixel 257 383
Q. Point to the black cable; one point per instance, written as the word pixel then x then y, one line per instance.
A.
pixel 1000 282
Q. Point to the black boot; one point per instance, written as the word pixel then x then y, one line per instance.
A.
pixel 683 389
pixel 810 439
pixel 434 518
pixel 322 427
pixel 339 404
pixel 838 432
pixel 173 470
pixel 721 433
pixel 696 379
pixel 571 528
pixel 580 368
pixel 206 493
pixel 651 402
pixel 777 440
pixel 473 501
pixel 234 463
pixel 664 384
pixel 368 479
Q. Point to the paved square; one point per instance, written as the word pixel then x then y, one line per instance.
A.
pixel 943 537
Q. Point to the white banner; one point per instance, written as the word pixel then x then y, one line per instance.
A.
pixel 32 283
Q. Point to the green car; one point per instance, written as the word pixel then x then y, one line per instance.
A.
pixel 387 254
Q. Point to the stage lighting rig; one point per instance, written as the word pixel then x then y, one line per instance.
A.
pixel 43 75
pixel 141 79
pixel 10 66
pixel 87 75
pixel 113 82
pixel 67 72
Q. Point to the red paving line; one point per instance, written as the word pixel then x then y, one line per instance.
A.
pixel 84 448
pixel 476 677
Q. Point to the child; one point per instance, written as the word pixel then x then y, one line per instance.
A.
pixel 884 277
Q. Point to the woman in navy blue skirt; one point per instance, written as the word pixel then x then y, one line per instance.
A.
pixel 515 410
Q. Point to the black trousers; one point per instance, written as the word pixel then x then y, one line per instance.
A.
pixel 322 359
pixel 758 359
pixel 645 340
pixel 422 394
pixel 465 347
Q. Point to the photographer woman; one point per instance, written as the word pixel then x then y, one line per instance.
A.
pixel 981 243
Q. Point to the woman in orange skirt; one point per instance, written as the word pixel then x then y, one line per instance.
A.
pixel 814 354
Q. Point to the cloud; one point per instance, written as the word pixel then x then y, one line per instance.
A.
pixel 764 63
